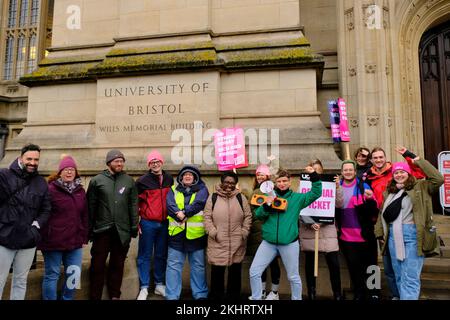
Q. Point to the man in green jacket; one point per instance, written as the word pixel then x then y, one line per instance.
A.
pixel 280 232
pixel 113 221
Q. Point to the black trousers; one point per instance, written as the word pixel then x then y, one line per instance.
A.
pixel 275 272
pixel 358 257
pixel 332 259
pixel 233 282
pixel 104 244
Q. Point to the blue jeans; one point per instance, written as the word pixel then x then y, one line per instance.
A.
pixel 21 261
pixel 390 275
pixel 407 272
pixel 264 255
pixel 152 242
pixel 175 262
pixel 72 269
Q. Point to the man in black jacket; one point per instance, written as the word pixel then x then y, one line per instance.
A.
pixel 24 209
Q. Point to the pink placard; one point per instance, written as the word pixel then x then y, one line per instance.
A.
pixel 229 146
pixel 343 124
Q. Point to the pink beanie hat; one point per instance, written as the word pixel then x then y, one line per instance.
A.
pixel 67 162
pixel 154 155
pixel 262 168
pixel 401 166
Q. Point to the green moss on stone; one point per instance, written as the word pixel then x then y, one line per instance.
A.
pixel 58 72
pixel 163 61
pixel 250 55
pixel 297 55
pixel 70 59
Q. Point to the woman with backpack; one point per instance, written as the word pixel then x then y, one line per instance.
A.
pixel 228 219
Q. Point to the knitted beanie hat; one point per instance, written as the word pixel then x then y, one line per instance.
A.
pixel 264 169
pixel 401 166
pixel 114 154
pixel 155 155
pixel 67 162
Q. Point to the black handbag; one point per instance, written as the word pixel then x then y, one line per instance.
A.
pixel 392 211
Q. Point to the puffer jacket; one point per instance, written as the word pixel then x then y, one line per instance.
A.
pixel 227 227
pixel 67 228
pixel 153 196
pixel 422 209
pixel 180 242
pixel 378 181
pixel 112 203
pixel 24 198
pixel 281 228
pixel 328 241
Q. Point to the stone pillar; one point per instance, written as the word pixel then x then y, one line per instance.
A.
pixel 364 53
pixel 3 136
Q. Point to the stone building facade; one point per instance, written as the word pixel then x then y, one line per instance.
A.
pixel 84 76
pixel 265 64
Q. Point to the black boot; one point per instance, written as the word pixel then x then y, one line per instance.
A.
pixel 312 293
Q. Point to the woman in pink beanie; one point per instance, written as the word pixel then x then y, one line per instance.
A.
pixel 255 237
pixel 66 231
pixel 406 224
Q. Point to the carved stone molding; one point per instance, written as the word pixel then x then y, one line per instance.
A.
pixel 385 17
pixel 389 122
pixel 349 19
pixel 430 3
pixel 351 72
pixel 375 17
pixel 387 69
pixel 12 88
pixel 354 123
pixel 370 68
pixel 373 120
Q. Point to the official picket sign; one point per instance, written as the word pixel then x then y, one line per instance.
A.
pixel 229 146
pixel 444 168
pixel 323 208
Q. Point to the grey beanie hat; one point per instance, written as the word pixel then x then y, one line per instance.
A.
pixel 114 154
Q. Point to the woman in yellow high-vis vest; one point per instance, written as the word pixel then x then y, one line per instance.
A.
pixel 187 237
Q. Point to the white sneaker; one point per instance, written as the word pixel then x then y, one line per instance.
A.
pixel 160 290
pixel 273 296
pixel 142 294
pixel 263 296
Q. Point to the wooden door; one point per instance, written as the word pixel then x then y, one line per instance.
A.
pixel 434 53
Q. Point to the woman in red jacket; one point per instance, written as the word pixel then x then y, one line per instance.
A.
pixel 66 232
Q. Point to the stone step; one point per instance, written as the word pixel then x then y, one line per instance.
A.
pixel 439 281
pixel 445 252
pixel 434 294
pixel 445 237
pixel 439 218
pixel 443 229
pixel 436 265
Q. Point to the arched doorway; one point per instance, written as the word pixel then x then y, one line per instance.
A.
pixel 434 55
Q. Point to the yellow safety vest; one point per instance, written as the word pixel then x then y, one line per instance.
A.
pixel 195 226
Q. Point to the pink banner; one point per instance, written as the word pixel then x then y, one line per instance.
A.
pixel 343 123
pixel 230 149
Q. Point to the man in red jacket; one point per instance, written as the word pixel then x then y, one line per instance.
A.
pixel 152 189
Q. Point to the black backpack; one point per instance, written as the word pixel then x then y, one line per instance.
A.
pixel 214 199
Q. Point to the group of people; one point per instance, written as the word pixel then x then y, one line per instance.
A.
pixel 376 202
